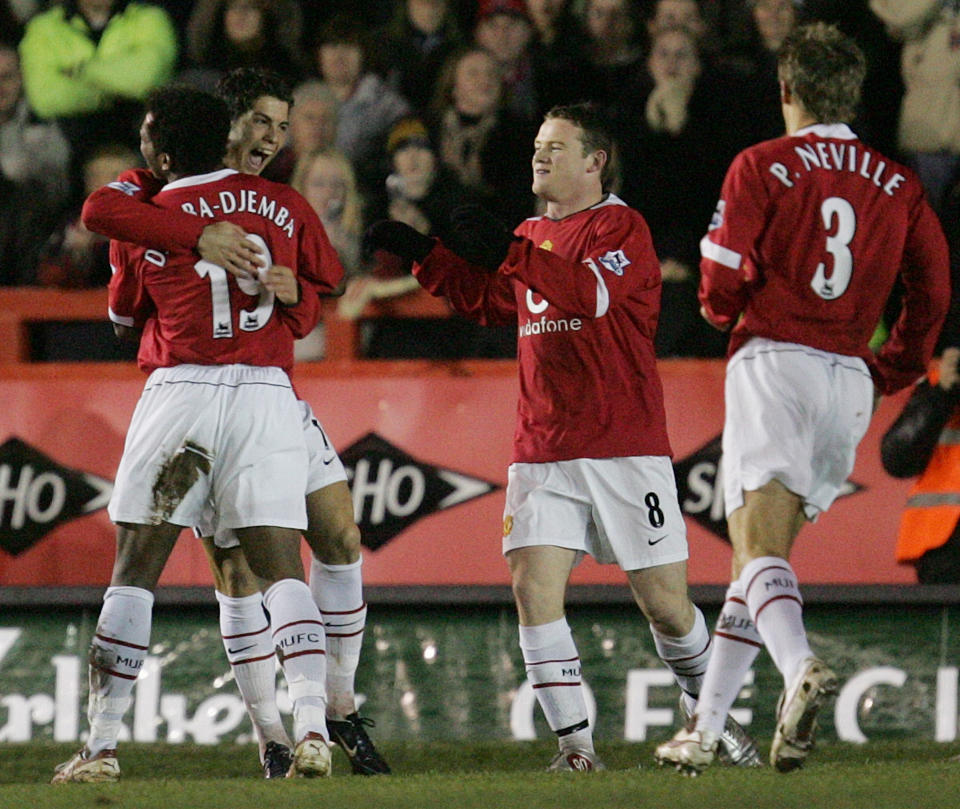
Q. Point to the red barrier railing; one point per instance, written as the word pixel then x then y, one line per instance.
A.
pixel 22 306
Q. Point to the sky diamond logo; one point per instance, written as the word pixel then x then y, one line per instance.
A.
pixel 37 494
pixel 392 490
pixel 700 488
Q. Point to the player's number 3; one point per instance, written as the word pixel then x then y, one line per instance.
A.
pixel 250 319
pixel 838 245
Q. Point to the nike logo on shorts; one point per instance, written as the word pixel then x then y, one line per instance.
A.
pixel 658 539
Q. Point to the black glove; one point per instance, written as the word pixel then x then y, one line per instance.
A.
pixel 397 238
pixel 479 236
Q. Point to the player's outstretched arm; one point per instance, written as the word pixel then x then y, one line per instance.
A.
pixel 473 291
pixel 122 211
pixel 397 238
pixel 479 236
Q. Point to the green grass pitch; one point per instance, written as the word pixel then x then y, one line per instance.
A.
pixel 881 775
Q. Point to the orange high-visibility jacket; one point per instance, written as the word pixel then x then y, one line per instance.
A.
pixel 933 505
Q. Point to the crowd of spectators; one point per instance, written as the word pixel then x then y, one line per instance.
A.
pixel 404 106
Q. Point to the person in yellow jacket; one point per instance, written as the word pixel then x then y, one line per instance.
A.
pixel 925 441
pixel 89 64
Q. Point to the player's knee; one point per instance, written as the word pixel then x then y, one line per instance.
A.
pixel 340 546
pixel 537 602
pixel 235 579
pixel 668 611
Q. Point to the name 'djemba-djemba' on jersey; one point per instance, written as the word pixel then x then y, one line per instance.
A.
pixel 245 201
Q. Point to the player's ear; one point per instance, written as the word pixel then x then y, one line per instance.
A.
pixel 597 161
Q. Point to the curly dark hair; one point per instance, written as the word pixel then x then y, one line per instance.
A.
pixel 191 126
pixel 596 137
pixel 240 88
pixel 825 69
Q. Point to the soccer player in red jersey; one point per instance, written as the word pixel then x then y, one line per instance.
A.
pixel 218 424
pixel 591 470
pixel 810 234
pixel 259 102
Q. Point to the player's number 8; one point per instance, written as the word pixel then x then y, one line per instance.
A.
pixel 652 502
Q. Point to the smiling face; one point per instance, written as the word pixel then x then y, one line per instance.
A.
pixel 257 135
pixel 563 176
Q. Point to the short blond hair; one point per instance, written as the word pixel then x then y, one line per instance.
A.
pixel 352 217
pixel 825 69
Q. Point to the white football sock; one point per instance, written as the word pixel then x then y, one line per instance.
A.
pixel 553 668
pixel 736 644
pixel 776 608
pixel 686 657
pixel 338 592
pixel 249 647
pixel 297 629
pixel 117 653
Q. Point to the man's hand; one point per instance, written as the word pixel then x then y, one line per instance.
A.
pixel 717 326
pixel 356 296
pixel 479 236
pixel 949 373
pixel 397 238
pixel 226 245
pixel 403 210
pixel 282 282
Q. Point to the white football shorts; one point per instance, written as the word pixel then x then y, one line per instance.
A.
pixel 226 437
pixel 794 414
pixel 621 511
pixel 324 468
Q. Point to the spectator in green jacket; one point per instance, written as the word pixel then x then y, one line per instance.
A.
pixel 90 63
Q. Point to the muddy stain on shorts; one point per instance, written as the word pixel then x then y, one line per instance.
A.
pixel 176 477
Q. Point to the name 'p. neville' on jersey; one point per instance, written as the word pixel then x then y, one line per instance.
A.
pixel 808 238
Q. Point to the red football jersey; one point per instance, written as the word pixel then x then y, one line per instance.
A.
pixel 585 294
pixel 121 210
pixel 809 236
pixel 195 312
